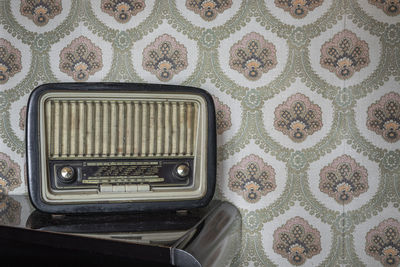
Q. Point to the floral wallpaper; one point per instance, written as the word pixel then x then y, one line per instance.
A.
pixel 307 96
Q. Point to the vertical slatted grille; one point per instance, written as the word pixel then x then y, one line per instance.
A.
pixel 119 128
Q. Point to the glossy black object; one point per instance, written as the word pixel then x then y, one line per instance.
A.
pixel 209 236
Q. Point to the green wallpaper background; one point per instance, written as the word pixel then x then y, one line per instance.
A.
pixel 308 107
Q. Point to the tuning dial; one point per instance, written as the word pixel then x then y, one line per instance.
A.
pixel 182 170
pixel 67 173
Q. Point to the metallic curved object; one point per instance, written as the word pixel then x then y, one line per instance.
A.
pixel 209 236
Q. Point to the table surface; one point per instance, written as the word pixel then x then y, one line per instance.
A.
pixel 209 236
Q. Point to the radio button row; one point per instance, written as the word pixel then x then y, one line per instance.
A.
pixel 109 188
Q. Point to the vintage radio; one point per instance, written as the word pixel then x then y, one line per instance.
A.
pixel 95 147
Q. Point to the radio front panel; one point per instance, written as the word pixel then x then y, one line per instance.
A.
pixel 96 147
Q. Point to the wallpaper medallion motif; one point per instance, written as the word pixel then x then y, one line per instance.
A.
pixel 298 117
pixel 383 242
pixel 384 117
pixel 252 56
pixel 307 97
pixel 122 10
pixel 10 210
pixel 10 60
pixel 344 54
pixel 297 240
pixel 222 116
pixel 252 178
pixel 208 9
pixel 165 57
pixel 80 59
pixel 41 12
pixel 10 174
pixel 344 179
pixel 298 8
pixel 390 7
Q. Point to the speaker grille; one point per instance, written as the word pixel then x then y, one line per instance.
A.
pixel 120 128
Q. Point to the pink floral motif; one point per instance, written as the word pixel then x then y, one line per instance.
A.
pixel 10 211
pixel 253 56
pixel 252 178
pixel 122 10
pixel 10 60
pixel 298 8
pixel 165 57
pixel 344 54
pixel 297 241
pixel 208 9
pixel 40 11
pixel 384 117
pixel 383 242
pixel 80 59
pixel 298 117
pixel 10 174
pixel 390 7
pixel 22 118
pixel 223 116
pixel 343 179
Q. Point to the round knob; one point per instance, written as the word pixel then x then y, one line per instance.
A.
pixel 67 173
pixel 182 170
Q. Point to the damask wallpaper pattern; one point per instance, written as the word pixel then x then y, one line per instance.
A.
pixel 307 96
